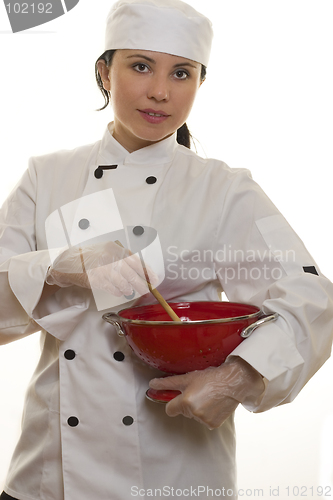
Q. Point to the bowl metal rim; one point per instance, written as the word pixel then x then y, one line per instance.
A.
pixel 233 319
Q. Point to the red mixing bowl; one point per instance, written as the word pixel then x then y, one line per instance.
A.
pixel 207 334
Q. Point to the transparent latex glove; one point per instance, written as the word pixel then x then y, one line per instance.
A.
pixel 105 266
pixel 210 396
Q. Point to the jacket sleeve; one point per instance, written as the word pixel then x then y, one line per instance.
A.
pixel 260 260
pixel 23 269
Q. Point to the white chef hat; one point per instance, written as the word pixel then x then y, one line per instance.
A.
pixel 169 26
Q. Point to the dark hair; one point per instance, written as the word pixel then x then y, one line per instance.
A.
pixel 183 134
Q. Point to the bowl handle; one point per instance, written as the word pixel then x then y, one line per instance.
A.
pixel 265 319
pixel 113 318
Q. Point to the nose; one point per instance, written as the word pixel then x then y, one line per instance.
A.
pixel 159 88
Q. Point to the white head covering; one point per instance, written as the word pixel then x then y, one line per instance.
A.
pixel 169 26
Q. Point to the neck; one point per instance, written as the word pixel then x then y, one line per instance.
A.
pixel 130 143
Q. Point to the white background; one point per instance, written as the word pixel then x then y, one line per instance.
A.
pixel 267 105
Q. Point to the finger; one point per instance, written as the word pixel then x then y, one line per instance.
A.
pixel 134 262
pixel 180 406
pixel 119 276
pixel 110 279
pixel 131 267
pixel 132 277
pixel 175 407
pixel 99 281
pixel 142 269
pixel 213 414
pixel 178 382
pixel 215 421
pixel 67 279
pixel 114 253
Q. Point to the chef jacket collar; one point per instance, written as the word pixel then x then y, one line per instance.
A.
pixel 112 152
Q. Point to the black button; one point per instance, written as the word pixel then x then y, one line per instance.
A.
pixel 84 224
pixel 128 420
pixel 73 421
pixel 119 356
pixel 151 180
pixel 69 354
pixel 138 230
pixel 98 173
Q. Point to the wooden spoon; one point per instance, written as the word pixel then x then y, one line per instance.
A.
pixel 155 292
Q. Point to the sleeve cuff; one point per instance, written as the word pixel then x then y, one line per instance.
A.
pixel 60 313
pixel 273 353
pixel 26 276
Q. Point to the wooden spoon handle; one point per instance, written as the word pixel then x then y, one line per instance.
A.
pixel 155 292
pixel 163 303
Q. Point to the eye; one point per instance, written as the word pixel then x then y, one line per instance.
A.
pixel 141 67
pixel 181 74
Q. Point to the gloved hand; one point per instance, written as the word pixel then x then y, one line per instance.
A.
pixel 210 396
pixel 105 266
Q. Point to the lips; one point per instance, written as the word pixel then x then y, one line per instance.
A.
pixel 153 116
pixel 153 112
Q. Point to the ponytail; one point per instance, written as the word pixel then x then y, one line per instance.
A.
pixel 184 136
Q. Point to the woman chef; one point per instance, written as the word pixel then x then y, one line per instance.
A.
pixel 88 431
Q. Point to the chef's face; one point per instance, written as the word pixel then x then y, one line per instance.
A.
pixel 152 94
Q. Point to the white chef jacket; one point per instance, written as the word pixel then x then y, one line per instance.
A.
pixel 88 431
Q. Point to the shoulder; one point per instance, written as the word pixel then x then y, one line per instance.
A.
pixel 218 169
pixel 62 159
